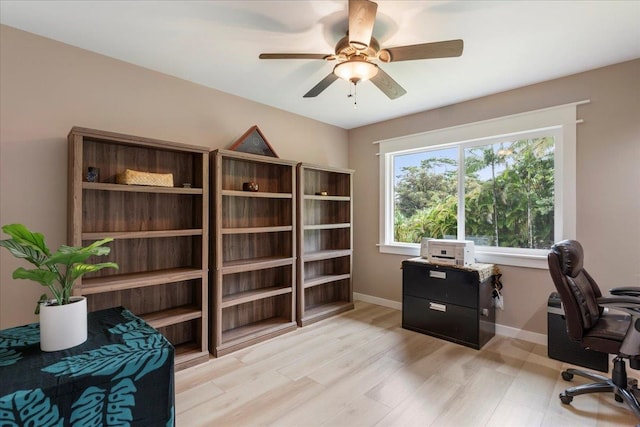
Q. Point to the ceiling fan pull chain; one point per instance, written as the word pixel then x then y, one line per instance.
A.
pixel 355 96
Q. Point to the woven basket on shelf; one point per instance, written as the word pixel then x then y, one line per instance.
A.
pixel 133 177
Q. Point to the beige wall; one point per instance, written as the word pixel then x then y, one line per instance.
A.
pixel 608 186
pixel 47 87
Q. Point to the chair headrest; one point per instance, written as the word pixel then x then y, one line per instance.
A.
pixel 570 255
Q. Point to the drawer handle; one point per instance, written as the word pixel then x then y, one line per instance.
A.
pixel 437 307
pixel 437 274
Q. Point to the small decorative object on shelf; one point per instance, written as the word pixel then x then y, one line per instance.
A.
pixel 186 185
pixel 322 193
pixel 133 177
pixel 93 174
pixel 250 186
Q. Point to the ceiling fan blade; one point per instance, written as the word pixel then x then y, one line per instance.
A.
pixel 445 49
pixel 292 56
pixel 362 16
pixel 386 84
pixel 324 83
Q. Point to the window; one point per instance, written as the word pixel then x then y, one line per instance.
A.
pixel 506 184
pixel 507 199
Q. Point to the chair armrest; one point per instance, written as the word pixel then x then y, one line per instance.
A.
pixel 626 303
pixel 631 344
pixel 632 291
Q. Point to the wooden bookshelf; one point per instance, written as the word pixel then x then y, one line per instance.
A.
pixel 253 252
pixel 325 240
pixel 161 233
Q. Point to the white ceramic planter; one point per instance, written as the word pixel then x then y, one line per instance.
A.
pixel 63 326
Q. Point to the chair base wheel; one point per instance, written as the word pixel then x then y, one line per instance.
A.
pixel 567 376
pixel 566 399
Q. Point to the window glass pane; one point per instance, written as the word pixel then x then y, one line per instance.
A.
pixel 425 195
pixel 509 193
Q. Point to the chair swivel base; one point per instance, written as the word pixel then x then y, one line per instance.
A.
pixel 624 390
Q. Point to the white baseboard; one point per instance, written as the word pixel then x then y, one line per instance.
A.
pixel 506 331
pixel 534 337
pixel 378 301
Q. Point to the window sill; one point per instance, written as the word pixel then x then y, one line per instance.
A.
pixel 499 258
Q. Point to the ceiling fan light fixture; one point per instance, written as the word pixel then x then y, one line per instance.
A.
pixel 356 69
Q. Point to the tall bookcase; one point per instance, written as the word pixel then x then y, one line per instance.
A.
pixel 325 242
pixel 161 233
pixel 253 251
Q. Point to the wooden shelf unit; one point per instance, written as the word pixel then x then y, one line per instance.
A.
pixel 161 233
pixel 253 251
pixel 325 242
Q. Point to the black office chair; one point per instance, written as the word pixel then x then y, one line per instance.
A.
pixel 590 324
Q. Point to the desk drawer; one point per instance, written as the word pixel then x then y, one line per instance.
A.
pixel 445 285
pixel 447 321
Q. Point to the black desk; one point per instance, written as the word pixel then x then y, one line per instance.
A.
pixel 122 375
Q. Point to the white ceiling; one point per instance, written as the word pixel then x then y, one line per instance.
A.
pixel 507 44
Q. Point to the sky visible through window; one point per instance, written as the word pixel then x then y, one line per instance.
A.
pixel 414 159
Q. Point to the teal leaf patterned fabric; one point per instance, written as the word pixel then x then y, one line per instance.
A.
pixel 97 408
pixel 121 398
pixel 141 354
pixel 28 408
pixel 13 338
pixel 88 410
pixel 20 336
pixel 122 376
pixel 132 322
pixel 171 421
pixel 9 356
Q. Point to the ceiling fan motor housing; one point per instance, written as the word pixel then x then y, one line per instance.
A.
pixel 345 50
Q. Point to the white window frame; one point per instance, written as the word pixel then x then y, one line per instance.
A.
pixel 559 120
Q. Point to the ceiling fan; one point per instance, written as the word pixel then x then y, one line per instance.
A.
pixel 356 52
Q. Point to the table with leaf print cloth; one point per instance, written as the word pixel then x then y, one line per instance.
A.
pixel 122 375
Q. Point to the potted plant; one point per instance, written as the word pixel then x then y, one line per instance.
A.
pixel 63 319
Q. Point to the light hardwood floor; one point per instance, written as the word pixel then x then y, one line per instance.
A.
pixel 362 369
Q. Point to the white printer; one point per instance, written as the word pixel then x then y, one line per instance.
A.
pixel 447 251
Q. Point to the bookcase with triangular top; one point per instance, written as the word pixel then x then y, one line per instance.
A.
pixel 325 242
pixel 161 232
pixel 253 251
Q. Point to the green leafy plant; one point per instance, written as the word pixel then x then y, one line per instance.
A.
pixel 57 271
